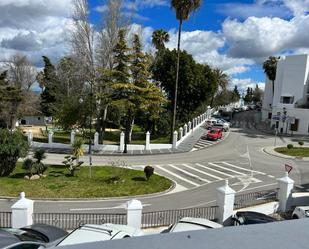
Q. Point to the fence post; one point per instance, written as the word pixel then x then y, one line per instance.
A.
pixel 50 137
pixel 121 146
pixel 96 139
pixel 175 136
pixel 286 185
pixel 225 201
pixel 147 147
pixel 30 137
pixel 22 212
pixel 185 130
pixel 134 213
pixel 180 133
pixel 72 136
pixel 189 126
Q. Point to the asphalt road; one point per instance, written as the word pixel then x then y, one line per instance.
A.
pixel 193 190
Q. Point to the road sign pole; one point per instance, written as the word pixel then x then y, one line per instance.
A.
pixel 276 132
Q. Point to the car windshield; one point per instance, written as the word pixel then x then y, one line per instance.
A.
pixel 25 235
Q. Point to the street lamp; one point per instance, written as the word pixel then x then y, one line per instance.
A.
pixel 90 128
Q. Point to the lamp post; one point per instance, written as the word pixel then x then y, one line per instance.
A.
pixel 90 128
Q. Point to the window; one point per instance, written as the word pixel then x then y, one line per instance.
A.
pixel 294 126
pixel 287 99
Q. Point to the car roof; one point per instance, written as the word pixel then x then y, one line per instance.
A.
pixel 7 238
pixel 91 232
pixel 200 221
pixel 50 232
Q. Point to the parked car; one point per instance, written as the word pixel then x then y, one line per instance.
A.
pixel 300 212
pixel 91 233
pixel 220 127
pixel 214 134
pixel 250 217
pixel 31 237
pixel 189 224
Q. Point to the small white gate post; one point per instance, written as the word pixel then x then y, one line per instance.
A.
pixel 175 136
pixel 134 213
pixel 22 212
pixel 185 130
pixel 147 146
pixel 286 185
pixel 96 139
pixel 30 137
pixel 180 133
pixel 50 137
pixel 72 136
pixel 225 201
pixel 121 146
pixel 189 126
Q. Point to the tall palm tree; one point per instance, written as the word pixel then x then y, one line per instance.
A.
pixel 183 9
pixel 270 69
pixel 159 38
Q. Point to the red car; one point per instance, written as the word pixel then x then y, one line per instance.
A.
pixel 214 134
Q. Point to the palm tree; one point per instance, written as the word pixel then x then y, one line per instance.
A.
pixel 78 149
pixel 183 9
pixel 159 38
pixel 270 69
pixel 221 79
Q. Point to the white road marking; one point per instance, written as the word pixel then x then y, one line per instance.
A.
pixel 189 174
pixel 221 167
pixel 266 185
pixel 202 172
pixel 271 176
pixel 214 170
pixel 232 165
pixel 177 176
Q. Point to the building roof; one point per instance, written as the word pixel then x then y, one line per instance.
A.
pixel 283 235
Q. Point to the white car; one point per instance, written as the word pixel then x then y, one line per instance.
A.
pixel 300 212
pixel 189 224
pixel 91 233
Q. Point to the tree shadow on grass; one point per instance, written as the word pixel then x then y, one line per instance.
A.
pixel 139 179
pixel 55 173
pixel 18 175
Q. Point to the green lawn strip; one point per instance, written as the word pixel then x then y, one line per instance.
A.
pixel 102 184
pixel 296 151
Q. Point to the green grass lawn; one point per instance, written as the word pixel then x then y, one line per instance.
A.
pixel 296 151
pixel 57 184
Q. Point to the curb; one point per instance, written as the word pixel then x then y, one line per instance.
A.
pixel 279 155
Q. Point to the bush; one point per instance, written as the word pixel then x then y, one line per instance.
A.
pixel 290 146
pixel 38 166
pixel 28 165
pixel 71 164
pixel 12 147
pixel 148 170
pixel 301 143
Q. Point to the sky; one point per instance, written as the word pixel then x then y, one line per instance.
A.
pixel 235 36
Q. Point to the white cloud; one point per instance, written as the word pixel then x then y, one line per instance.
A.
pixel 298 7
pixel 258 38
pixel 205 46
pixel 34 27
pixel 243 84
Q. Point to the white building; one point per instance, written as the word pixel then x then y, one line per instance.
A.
pixel 288 108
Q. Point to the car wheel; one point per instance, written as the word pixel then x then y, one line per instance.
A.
pixel 295 217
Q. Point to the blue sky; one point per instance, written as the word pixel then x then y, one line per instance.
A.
pixel 235 36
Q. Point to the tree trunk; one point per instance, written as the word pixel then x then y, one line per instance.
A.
pixel 127 130
pixel 176 83
pixel 131 130
pixel 273 85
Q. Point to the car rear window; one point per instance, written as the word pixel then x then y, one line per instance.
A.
pixel 213 131
pixel 26 235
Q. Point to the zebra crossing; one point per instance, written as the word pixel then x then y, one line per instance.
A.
pixel 204 143
pixel 196 174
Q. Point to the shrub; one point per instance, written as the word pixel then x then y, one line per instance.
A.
pixel 38 166
pixel 301 143
pixel 78 149
pixel 148 170
pixel 71 165
pixel 12 146
pixel 28 165
pixel 290 146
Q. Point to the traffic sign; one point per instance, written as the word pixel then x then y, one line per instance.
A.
pixel 288 168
